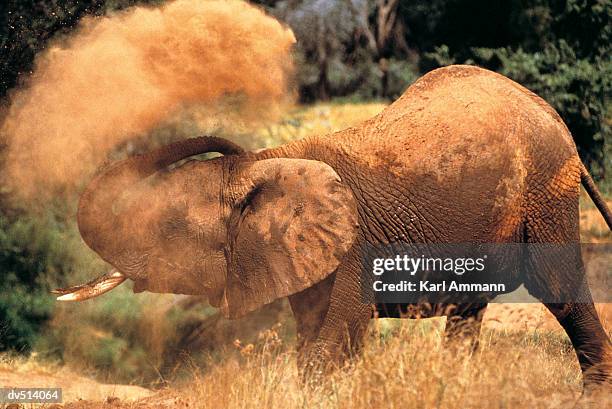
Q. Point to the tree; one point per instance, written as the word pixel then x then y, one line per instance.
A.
pixel 348 47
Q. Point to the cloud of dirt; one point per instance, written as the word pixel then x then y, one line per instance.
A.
pixel 125 74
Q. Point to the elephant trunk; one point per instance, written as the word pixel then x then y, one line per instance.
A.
pixel 101 229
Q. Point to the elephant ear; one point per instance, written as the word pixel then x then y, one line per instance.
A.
pixel 290 228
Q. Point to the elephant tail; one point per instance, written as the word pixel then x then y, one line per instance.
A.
pixel 595 195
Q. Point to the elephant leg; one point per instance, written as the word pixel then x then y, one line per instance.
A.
pixel 463 323
pixel 343 329
pixel 340 337
pixel 589 339
pixel 309 309
pixel 560 282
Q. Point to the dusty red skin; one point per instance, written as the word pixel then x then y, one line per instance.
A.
pixel 465 155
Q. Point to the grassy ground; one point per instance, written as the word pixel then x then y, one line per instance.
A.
pixel 406 367
pixel 525 360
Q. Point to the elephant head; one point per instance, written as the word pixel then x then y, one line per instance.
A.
pixel 242 231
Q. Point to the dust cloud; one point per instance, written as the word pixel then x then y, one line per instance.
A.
pixel 125 74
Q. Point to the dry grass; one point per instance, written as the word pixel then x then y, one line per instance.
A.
pixel 26 365
pixel 406 366
pixel 593 228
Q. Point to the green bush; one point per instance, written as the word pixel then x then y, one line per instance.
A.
pixel 22 313
pixel 32 253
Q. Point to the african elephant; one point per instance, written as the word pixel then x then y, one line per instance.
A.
pixel 463 155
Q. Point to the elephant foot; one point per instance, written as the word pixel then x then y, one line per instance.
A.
pixel 316 363
pixel 597 390
pixel 311 367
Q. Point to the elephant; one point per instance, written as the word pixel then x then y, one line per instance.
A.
pixel 464 155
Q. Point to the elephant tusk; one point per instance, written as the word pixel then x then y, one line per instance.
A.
pixel 92 289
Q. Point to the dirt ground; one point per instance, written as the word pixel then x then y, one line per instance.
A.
pixel 74 387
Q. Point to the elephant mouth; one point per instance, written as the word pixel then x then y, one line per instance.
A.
pixel 92 289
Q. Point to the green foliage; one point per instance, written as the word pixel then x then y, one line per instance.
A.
pixel 442 57
pixel 33 250
pixel 24 312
